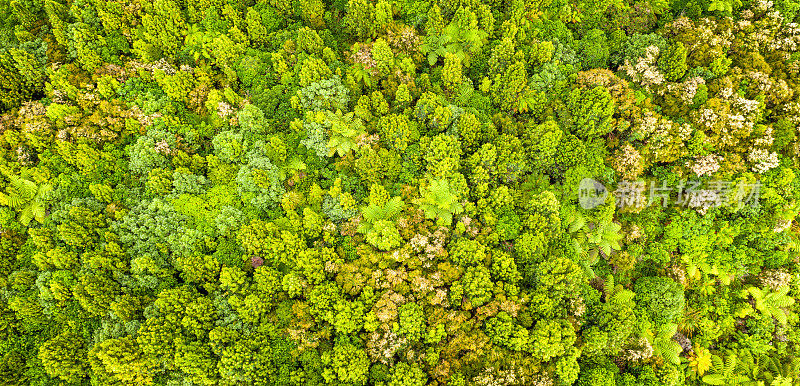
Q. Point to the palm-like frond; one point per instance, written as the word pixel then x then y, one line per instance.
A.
pixel 775 370
pixel 575 222
pixel 43 190
pixel 344 132
pixel 729 371
pixel 27 198
pixel 26 215
pixel 374 213
pixel 21 192
pixel 772 303
pixel 438 202
pixel 38 211
pixel 663 344
pixel 723 370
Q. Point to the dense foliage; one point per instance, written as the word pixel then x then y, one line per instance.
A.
pixel 386 192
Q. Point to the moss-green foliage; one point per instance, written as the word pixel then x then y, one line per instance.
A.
pixel 327 94
pixel 16 86
pixel 590 111
pixel 387 192
pixel 662 300
pixel 673 62
pixel 594 49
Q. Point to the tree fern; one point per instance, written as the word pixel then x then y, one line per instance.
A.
pixel 606 237
pixel 344 133
pixel 781 373
pixel 28 199
pixel 589 242
pixel 439 203
pixel 724 371
pixel 609 287
pixel 697 266
pixel 734 369
pixel 374 213
pixel 285 169
pixel 771 304
pixel 749 366
pixel 724 6
pixel 664 345
pixel 575 222
pixel 21 192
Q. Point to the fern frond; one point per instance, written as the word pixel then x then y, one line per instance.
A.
pixel 372 213
pixel 780 298
pixel 670 350
pixel 587 269
pixel 578 223
pixel 669 330
pixel 625 296
pixel 446 217
pixel 781 316
pixel 610 285
pixel 25 189
pixel 719 365
pixel 26 216
pixel 730 365
pixel 714 379
pixel 38 211
pixel 43 190
pixel 393 207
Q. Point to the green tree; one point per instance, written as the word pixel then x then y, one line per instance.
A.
pixel 661 299
pixel 503 331
pixel 15 88
pixel 477 285
pixel 591 111
pixel 398 131
pixel 122 360
pixel 673 62
pixel 595 50
pixel 407 375
pixel 161 30
pixel 551 338
pixel 64 357
pixel 412 321
pixel 360 18
pixel 350 364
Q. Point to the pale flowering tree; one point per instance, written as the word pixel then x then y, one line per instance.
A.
pixel 645 71
pixel 763 160
pixel 708 164
pixel 628 162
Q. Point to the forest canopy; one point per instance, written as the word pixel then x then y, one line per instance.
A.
pixel 399 192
